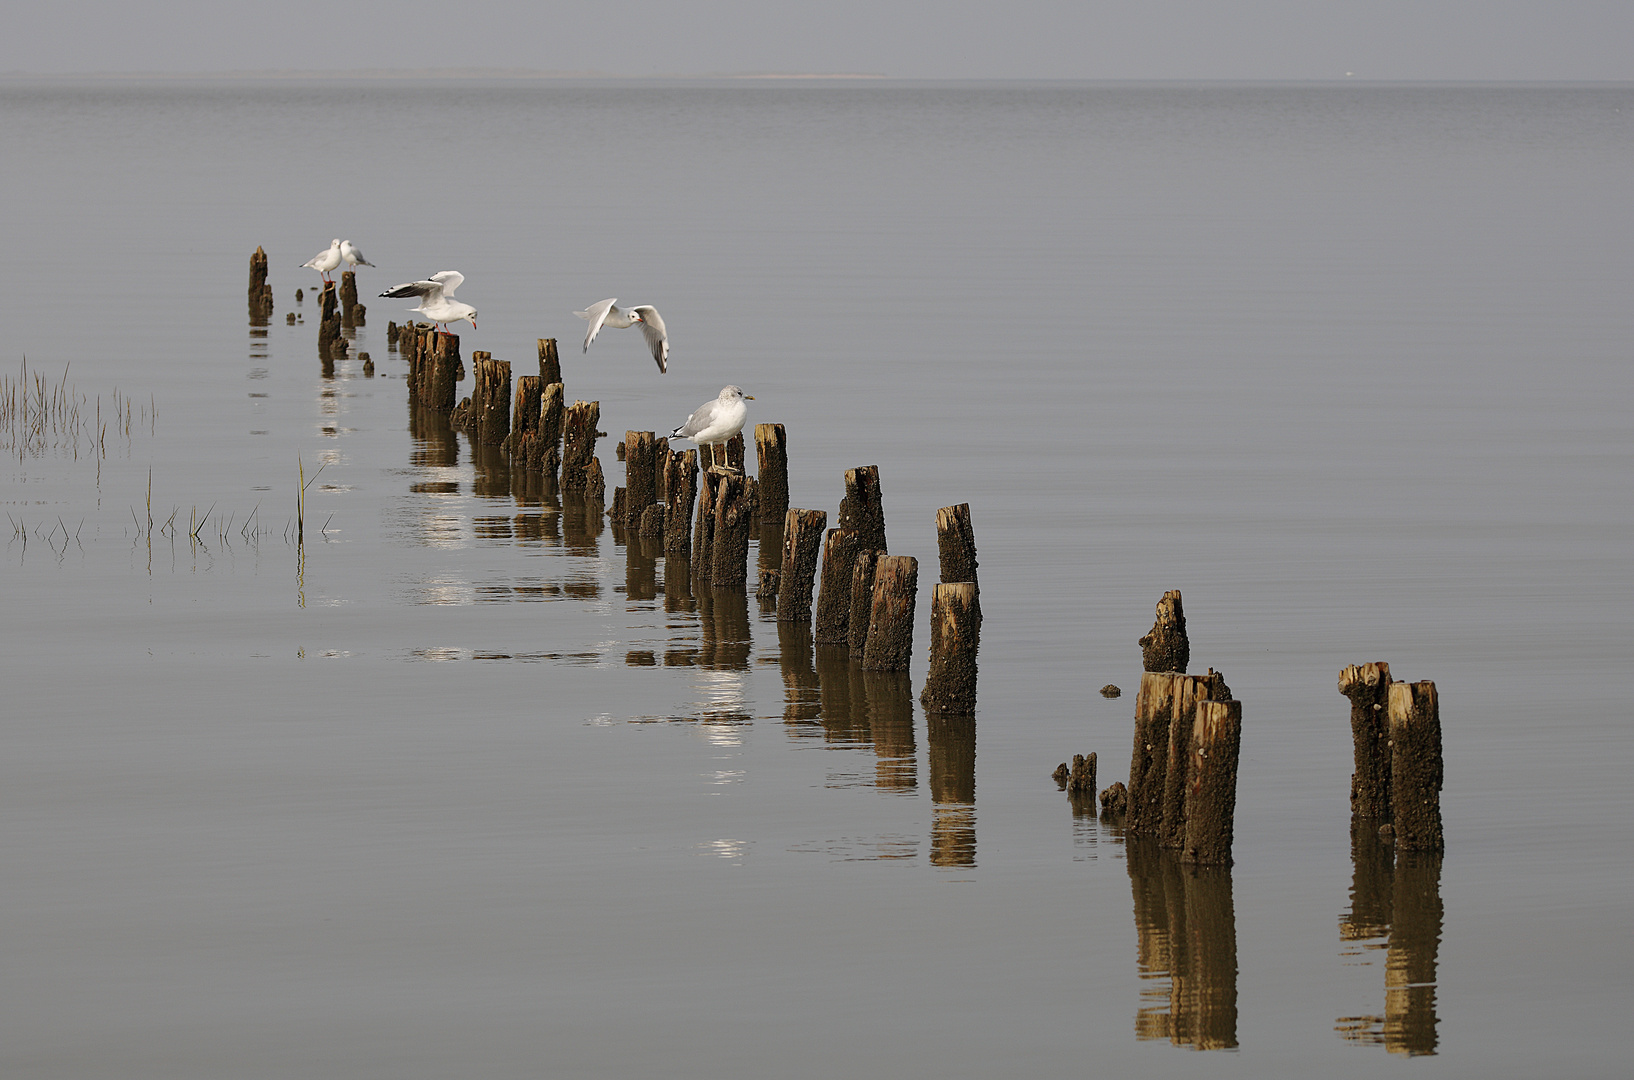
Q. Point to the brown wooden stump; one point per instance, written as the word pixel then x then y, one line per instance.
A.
pixel 956 545
pixel 551 416
pixel 862 509
pixel 550 367
pixel 595 486
pixel 955 634
pixel 773 454
pixel 1368 688
pixel 1211 789
pixel 734 452
pixel 444 371
pixel 890 618
pixel 1185 692
pixel 525 446
pixel 1149 764
pixel 833 620
pixel 1081 780
pixel 348 299
pixel 260 293
pixel 703 533
pixel 328 322
pixel 579 445
pixel 863 569
pixel 682 484
pixel 734 514
pixel 1416 766
pixel 490 399
pixel 802 541
pixel 640 481
pixel 1166 647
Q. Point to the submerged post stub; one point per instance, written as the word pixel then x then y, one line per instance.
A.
pixel 1211 789
pixel 1416 766
pixel 772 452
pixel 802 541
pixel 890 618
pixel 1165 648
pixel 1368 688
pixel 955 636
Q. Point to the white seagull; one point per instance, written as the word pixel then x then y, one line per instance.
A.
pixel 325 261
pixel 353 256
pixel 437 301
pixel 716 421
pixel 608 313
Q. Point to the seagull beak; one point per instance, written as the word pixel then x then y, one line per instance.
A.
pixel 748 397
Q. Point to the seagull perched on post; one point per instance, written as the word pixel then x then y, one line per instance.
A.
pixel 437 301
pixel 326 261
pixel 608 313
pixel 353 256
pixel 716 421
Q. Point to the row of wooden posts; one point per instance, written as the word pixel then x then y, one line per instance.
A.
pixel 866 596
pixel 1182 787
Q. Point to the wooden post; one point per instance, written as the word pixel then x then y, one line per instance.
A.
pixel 328 322
pixel 890 619
pixel 862 509
pixel 734 452
pixel 955 634
pixel 551 415
pixel 1166 647
pixel 1184 694
pixel 1416 766
pixel 445 368
pixel 1149 764
pixel 956 546
pixel 348 299
pixel 863 569
pixel 703 533
pixel 490 398
pixel 260 293
pixel 682 483
pixel 834 595
pixel 579 451
pixel 1368 688
pixel 550 367
pixel 802 540
pixel 1211 793
pixel 1081 780
pixel 640 485
pixel 734 513
pixel 525 448
pixel 773 454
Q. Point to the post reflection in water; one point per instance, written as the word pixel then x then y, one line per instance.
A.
pixel 952 789
pixel 1186 929
pixel 1395 906
pixel 641 568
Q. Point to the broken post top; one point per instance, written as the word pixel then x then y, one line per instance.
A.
pixel 1166 648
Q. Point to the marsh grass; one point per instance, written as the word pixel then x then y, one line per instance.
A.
pixel 40 416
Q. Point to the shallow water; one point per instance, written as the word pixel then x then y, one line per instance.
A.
pixel 459 784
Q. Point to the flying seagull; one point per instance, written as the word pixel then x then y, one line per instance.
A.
pixel 608 313
pixel 437 301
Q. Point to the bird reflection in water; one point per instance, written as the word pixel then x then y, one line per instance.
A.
pixel 1186 930
pixel 1395 906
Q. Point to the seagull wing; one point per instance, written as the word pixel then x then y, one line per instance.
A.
pixel 597 314
pixel 698 421
pixel 652 326
pixel 424 289
pixel 449 280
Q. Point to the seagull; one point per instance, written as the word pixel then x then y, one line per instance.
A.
pixel 325 261
pixel 349 251
pixel 716 421
pixel 607 313
pixel 437 301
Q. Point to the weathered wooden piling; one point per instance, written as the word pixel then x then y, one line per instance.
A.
pixel 1165 648
pixel 773 453
pixel 550 365
pixel 525 421
pixel 890 618
pixel 260 293
pixel 862 510
pixel 1416 765
pixel 434 368
pixel 956 545
pixel 551 416
pixel 681 481
pixel 1185 692
pixel 802 541
pixel 1149 764
pixel 703 531
pixel 833 621
pixel 352 313
pixel 955 635
pixel 640 481
pixel 1368 688
pixel 579 447
pixel 1211 782
pixel 490 420
pixel 328 323
pixel 1081 780
pixel 863 568
pixel 734 509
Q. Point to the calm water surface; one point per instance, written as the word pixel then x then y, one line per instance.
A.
pixel 467 785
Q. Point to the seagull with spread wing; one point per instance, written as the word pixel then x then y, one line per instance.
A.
pixel 608 313
pixel 437 301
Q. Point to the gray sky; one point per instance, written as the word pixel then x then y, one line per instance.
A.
pixel 1058 39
